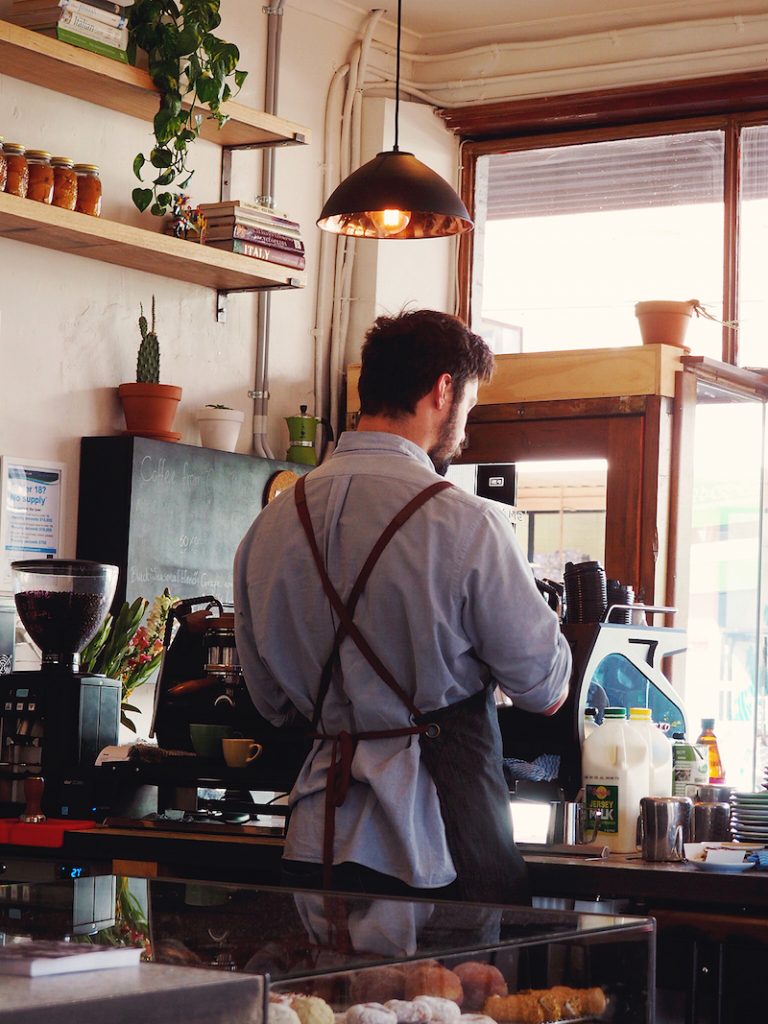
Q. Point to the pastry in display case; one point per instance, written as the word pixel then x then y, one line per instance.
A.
pixel 348 959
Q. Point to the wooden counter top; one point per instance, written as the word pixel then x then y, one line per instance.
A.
pixel 628 876
pixel 257 859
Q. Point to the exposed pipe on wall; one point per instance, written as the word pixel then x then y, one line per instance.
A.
pixel 260 393
pixel 345 140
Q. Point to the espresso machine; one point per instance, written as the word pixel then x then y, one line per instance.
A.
pixel 618 660
pixel 54 722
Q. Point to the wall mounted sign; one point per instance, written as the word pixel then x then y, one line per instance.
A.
pixel 31 503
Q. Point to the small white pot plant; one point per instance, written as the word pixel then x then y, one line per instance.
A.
pixel 219 426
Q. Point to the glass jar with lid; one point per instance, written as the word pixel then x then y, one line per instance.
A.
pixel 17 169
pixel 40 186
pixel 88 189
pixel 64 182
pixel 3 167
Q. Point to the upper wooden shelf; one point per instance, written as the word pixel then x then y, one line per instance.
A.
pixel 108 83
pixel 137 249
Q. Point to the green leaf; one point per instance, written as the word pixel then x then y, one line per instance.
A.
pixel 129 707
pixel 125 720
pixel 141 197
pixel 240 77
pixel 138 163
pixel 157 210
pixel 165 178
pixel 161 158
pixel 188 40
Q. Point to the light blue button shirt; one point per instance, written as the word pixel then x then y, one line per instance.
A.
pixel 450 606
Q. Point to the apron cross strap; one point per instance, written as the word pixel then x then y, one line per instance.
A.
pixel 344 743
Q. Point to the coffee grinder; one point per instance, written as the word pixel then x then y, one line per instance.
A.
pixel 54 722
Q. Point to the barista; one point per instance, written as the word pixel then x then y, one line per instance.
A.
pixel 384 605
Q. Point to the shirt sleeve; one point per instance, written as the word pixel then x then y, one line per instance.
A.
pixel 511 627
pixel 268 697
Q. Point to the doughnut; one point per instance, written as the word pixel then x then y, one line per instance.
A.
pixel 408 1012
pixel 312 1010
pixel 281 1013
pixel 444 1011
pixel 370 1013
pixel 479 981
pixel 377 985
pixel 433 981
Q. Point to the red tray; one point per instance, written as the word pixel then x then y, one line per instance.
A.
pixel 46 833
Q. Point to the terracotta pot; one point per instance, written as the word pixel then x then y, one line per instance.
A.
pixel 150 409
pixel 663 322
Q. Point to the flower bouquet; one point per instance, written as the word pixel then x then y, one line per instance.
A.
pixel 127 649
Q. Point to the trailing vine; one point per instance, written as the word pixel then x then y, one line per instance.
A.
pixel 190 66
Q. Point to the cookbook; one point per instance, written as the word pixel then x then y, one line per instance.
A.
pixel 41 957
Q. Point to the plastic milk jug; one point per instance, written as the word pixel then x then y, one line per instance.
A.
pixel 615 774
pixel 659 752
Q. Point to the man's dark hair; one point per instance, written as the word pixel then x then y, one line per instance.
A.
pixel 404 355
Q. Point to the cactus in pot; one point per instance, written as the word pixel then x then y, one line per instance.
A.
pixel 149 406
pixel 148 360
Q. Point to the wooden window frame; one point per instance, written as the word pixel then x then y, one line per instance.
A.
pixel 726 103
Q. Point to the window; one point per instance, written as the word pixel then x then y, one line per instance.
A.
pixel 569 238
pixel 589 204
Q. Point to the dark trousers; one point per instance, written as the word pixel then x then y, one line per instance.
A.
pixel 351 877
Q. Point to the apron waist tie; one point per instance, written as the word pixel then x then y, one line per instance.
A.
pixel 343 746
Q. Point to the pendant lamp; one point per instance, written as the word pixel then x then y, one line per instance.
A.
pixel 395 195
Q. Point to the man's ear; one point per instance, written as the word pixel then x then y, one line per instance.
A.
pixel 443 390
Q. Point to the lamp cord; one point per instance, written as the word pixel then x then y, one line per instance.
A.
pixel 396 148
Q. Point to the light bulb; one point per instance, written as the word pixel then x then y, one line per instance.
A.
pixel 390 222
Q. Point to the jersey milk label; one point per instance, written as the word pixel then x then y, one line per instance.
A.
pixel 606 799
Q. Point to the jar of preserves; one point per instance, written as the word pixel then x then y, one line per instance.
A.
pixel 88 189
pixel 17 169
pixel 3 167
pixel 40 186
pixel 64 182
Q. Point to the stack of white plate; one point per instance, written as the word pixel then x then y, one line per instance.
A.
pixel 749 817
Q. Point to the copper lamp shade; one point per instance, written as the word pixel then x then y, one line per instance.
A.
pixel 395 196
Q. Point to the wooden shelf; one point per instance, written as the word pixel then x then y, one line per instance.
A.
pixel 136 249
pixel 67 69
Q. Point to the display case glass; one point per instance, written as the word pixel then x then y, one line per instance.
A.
pixel 324 954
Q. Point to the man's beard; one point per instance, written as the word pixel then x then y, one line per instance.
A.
pixel 443 452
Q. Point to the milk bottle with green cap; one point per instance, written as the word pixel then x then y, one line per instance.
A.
pixel 615 773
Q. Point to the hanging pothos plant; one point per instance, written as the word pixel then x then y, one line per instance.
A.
pixel 190 67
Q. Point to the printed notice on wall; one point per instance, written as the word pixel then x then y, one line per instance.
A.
pixel 30 512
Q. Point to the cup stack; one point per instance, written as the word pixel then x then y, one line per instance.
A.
pixel 618 594
pixel 586 591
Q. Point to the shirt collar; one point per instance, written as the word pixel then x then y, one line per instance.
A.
pixel 366 441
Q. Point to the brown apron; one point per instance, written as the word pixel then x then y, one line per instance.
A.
pixel 460 747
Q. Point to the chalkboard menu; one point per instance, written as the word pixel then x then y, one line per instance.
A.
pixel 169 515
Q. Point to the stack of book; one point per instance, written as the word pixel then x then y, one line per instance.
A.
pixel 254 230
pixel 96 25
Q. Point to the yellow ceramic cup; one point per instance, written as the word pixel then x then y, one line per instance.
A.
pixel 240 752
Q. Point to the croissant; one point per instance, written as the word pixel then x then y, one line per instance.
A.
pixel 539 1005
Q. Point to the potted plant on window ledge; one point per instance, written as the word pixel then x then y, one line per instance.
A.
pixel 148 405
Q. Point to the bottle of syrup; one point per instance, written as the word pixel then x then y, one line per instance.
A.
pixel 708 742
